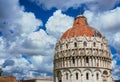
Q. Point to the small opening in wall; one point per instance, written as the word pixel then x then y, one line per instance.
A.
pixel 101 45
pixel 87 76
pixel 105 72
pixel 97 76
pixel 66 76
pixel 87 60
pixel 97 64
pixel 60 46
pixel 94 44
pixel 85 43
pixel 76 76
pixel 73 59
pixel 60 80
pixel 75 44
pixel 66 45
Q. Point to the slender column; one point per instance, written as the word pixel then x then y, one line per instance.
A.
pixel 65 63
pixel 103 63
pixel 79 62
pixel 68 62
pixel 92 61
pixel 88 61
pixel 75 61
pixel 85 61
pixel 95 61
pixel 107 63
pixel 82 61
pixel 99 62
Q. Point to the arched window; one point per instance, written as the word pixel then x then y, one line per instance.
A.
pixel 101 45
pixel 59 76
pixel 87 60
pixel 73 59
pixel 60 80
pixel 66 76
pixel 66 45
pixel 85 43
pixel 87 76
pixel 75 44
pixel 76 76
pixel 94 44
pixel 97 76
pixel 97 64
pixel 61 47
pixel 105 72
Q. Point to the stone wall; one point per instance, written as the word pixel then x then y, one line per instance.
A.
pixel 7 79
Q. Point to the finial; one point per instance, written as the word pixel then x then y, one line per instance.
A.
pixel 80 15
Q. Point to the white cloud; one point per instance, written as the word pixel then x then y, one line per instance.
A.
pixel 18 29
pixel 116 66
pixel 60 4
pixel 116 72
pixel 43 63
pixel 58 24
pixel 107 21
pixel 26 24
pixel 36 43
pixel 94 5
pixel 116 41
pixel 114 63
pixel 16 22
pixel 17 66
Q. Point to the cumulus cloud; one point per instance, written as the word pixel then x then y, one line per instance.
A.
pixel 58 23
pixel 94 5
pixel 115 66
pixel 43 64
pixel 36 43
pixel 19 37
pixel 16 22
pixel 17 66
pixel 116 41
pixel 105 21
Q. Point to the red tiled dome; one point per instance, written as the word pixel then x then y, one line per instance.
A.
pixel 80 28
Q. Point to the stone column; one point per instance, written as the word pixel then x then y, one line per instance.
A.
pixel 90 62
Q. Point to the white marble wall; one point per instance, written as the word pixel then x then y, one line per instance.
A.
pixel 92 58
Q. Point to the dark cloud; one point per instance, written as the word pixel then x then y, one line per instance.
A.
pixel 8 63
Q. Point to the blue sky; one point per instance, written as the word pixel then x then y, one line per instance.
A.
pixel 29 30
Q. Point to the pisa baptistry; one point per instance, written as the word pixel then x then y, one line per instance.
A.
pixel 82 55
